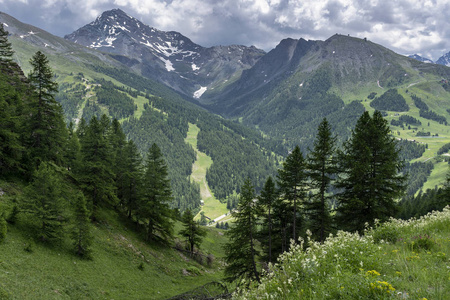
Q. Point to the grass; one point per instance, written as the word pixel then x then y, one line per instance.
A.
pixel 123 265
pixel 212 207
pixel 396 260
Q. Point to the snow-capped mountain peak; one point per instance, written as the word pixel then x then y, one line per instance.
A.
pixel 444 60
pixel 421 58
pixel 169 56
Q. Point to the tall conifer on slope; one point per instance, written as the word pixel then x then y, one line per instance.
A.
pixel 81 233
pixel 292 180
pixel 47 130
pixel 131 178
pixel 369 176
pixel 94 174
pixel 44 200
pixel 266 201
pixel 6 51
pixel 321 168
pixel 157 194
pixel 192 231
pixel 241 253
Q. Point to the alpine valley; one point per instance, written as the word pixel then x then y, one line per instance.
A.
pixel 220 115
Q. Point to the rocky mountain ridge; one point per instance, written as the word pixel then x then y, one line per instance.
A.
pixel 168 57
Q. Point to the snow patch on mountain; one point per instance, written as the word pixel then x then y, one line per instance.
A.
pixel 198 93
pixel 194 67
pixel 6 25
pixel 169 65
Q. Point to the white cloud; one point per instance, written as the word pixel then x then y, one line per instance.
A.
pixel 404 25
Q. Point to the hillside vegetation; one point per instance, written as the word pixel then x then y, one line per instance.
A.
pixel 123 265
pixel 395 260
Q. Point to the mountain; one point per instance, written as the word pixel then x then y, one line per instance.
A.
pixel 420 58
pixel 444 60
pixel 92 83
pixel 168 57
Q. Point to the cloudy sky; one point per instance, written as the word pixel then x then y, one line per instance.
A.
pixel 405 26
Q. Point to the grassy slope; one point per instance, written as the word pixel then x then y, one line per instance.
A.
pixel 438 100
pixel 212 207
pixel 113 273
pixel 415 265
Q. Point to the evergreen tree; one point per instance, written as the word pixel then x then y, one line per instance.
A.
pixel 72 153
pixel 6 51
pixel 267 200
pixel 81 233
pixel 3 228
pixel 369 174
pixel 240 251
pixel 44 200
pixel 154 205
pixel 129 183
pixel 11 117
pixel 94 174
pixel 292 180
pixel 47 130
pixel 321 167
pixel 192 231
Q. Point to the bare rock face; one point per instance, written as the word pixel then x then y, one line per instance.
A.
pixel 444 60
pixel 168 57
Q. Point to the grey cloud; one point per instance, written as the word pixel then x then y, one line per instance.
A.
pixel 239 22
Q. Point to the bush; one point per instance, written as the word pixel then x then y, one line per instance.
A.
pixel 422 242
pixel 193 270
pixel 386 233
pixel 3 229
pixel 210 260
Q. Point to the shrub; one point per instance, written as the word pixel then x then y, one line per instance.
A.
pixel 386 233
pixel 210 260
pixel 193 270
pixel 141 266
pixel 421 242
pixel 3 229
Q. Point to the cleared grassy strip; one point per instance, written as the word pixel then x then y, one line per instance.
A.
pixel 212 207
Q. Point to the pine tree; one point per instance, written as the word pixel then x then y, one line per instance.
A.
pixel 81 233
pixel 47 130
pixel 292 182
pixel 130 187
pixel 6 51
pixel 192 231
pixel 3 228
pixel 43 199
pixel 266 201
pixel 240 251
pixel 11 117
pixel 321 169
pixel 94 174
pixel 154 205
pixel 369 174
pixel 72 153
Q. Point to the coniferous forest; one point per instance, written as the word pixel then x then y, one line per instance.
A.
pixel 140 168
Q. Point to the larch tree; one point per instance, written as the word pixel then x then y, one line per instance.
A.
pixel 44 200
pixel 370 176
pixel 81 232
pixel 47 129
pixel 322 168
pixel 95 175
pixel 266 201
pixel 192 231
pixel 292 180
pixel 240 252
pixel 157 195
pixel 6 51
pixel 131 179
